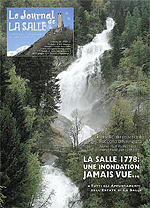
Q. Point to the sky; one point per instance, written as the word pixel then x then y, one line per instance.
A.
pixel 19 35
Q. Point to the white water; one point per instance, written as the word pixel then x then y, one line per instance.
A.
pixel 77 92
pixel 64 189
pixel 80 83
pixel 85 133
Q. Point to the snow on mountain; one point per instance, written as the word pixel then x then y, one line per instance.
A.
pixel 18 50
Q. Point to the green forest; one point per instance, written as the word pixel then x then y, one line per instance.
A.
pixel 28 82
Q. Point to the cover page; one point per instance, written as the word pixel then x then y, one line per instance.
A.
pixel 75 104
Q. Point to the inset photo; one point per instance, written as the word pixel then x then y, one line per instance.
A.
pixel 33 32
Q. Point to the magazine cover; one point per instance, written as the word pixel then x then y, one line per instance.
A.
pixel 75 104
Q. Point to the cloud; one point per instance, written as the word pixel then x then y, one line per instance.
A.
pixel 18 50
pixel 66 13
pixel 68 18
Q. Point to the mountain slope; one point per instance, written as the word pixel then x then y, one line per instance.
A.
pixel 51 43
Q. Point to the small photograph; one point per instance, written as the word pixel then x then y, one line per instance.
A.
pixel 33 32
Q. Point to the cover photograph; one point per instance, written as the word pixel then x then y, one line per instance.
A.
pixel 43 31
pixel 75 104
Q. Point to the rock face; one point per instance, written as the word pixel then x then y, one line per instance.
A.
pixel 62 63
pixel 48 159
pixel 63 124
pixel 58 136
pixel 98 116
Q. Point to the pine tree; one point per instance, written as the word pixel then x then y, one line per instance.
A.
pixel 14 159
pixel 127 34
pixel 98 16
pixel 18 112
pixel 108 72
pixel 17 133
pixel 121 122
pixel 116 43
pixel 136 22
pixel 133 28
pixel 145 22
pixel 144 174
pixel 43 83
pixel 120 21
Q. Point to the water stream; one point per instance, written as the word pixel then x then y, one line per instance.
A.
pixel 59 187
pixel 80 83
pixel 79 90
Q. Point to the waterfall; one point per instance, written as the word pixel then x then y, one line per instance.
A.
pixel 61 187
pixel 78 91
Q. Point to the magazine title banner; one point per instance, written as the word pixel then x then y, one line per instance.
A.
pixel 30 26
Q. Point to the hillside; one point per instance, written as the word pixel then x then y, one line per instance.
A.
pixel 56 41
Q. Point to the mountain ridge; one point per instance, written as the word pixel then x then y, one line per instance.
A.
pixel 45 45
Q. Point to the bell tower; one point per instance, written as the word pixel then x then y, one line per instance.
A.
pixel 59 20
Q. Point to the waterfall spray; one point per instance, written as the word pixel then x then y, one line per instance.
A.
pixel 77 92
